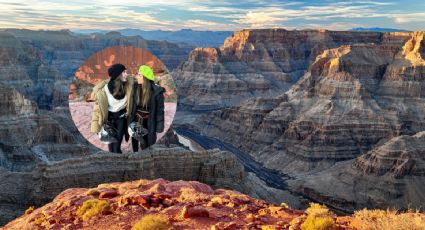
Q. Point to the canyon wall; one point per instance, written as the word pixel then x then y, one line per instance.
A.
pixel 352 99
pixel 42 153
pixel 259 63
pixel 41 64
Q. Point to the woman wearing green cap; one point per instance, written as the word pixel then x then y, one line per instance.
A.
pixel 148 108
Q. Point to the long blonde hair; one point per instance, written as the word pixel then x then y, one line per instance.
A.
pixel 146 93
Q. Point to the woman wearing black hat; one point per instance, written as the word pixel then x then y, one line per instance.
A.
pixel 114 101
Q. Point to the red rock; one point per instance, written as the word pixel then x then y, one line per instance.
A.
pixel 163 196
pixel 108 194
pixel 107 212
pixel 157 188
pixel 226 226
pixel 93 192
pixel 133 202
pixel 124 201
pixel 167 202
pixel 141 200
pixel 197 186
pixel 189 212
pixel 155 202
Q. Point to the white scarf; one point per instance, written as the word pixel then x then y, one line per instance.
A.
pixel 114 105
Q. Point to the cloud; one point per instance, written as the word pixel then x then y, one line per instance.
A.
pixel 376 3
pixel 202 15
pixel 407 18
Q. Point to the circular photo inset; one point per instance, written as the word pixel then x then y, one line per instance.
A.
pixel 123 99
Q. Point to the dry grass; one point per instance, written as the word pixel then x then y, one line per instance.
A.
pixel 92 208
pixel 152 222
pixel 190 194
pixel 318 218
pixel 29 210
pixel 388 220
pixel 140 183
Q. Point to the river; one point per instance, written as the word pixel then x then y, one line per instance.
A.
pixel 272 177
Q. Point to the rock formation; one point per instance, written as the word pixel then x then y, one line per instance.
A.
pixel 352 100
pixel 391 175
pixel 42 153
pixel 13 103
pixel 41 64
pixel 29 137
pixel 407 151
pixel 39 186
pixel 256 63
pixel 186 204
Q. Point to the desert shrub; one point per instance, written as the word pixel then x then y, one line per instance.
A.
pixel 29 210
pixel 388 220
pixel 92 207
pixel 318 218
pixel 152 222
pixel 190 194
pixel 284 205
pixel 140 183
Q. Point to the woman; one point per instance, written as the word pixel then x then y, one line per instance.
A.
pixel 114 101
pixel 148 108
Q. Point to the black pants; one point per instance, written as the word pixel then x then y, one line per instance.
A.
pixel 119 123
pixel 143 145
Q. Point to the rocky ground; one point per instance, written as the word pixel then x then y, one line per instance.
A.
pixel 162 204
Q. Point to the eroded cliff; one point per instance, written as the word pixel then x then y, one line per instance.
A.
pixel 352 100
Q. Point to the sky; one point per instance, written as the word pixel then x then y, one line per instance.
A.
pixel 212 14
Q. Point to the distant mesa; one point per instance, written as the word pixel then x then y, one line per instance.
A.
pixel 189 36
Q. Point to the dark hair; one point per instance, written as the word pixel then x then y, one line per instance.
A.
pixel 118 88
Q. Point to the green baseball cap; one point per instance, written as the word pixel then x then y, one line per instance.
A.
pixel 147 72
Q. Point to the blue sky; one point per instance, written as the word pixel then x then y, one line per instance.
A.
pixel 212 14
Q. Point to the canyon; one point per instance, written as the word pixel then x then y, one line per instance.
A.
pixel 42 153
pixel 41 64
pixel 259 63
pixel 334 126
pixel 338 114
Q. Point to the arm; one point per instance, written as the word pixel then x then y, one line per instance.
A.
pixel 95 127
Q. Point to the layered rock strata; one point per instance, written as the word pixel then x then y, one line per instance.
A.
pixel 391 175
pixel 352 100
pixel 260 63
pixel 41 64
